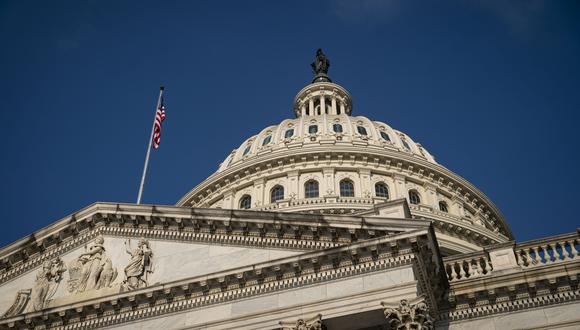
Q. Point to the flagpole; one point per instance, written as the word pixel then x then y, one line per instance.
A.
pixel 149 148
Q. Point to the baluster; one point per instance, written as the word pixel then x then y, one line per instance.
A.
pixel 573 249
pixel 470 268
pixel 570 254
pixel 462 274
pixel 528 257
pixel 554 257
pixel 478 269
pixel 546 253
pixel 562 251
pixel 537 257
pixel 450 272
pixel 519 258
pixel 488 265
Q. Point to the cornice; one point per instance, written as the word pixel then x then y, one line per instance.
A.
pixel 233 227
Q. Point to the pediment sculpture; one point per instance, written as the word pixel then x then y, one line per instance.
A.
pixel 139 267
pixel 408 315
pixel 92 270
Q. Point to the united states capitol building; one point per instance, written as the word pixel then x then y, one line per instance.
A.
pixel 328 220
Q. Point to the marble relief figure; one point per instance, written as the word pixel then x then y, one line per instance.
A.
pixel 140 265
pixel 92 270
pixel 46 283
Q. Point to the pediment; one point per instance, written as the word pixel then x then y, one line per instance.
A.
pixel 110 264
pixel 109 249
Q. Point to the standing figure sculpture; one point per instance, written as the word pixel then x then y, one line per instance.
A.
pixel 140 265
pixel 47 280
pixel 320 67
pixel 92 269
pixel 320 64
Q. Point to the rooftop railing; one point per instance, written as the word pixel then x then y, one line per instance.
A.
pixel 537 253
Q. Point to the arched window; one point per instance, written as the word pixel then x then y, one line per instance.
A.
pixel 381 190
pixel 313 129
pixel 247 150
pixel 385 136
pixel 346 188
pixel 361 130
pixel 245 202
pixel 311 189
pixel 267 140
pixel 289 133
pixel 414 197
pixel 443 207
pixel 276 194
pixel 337 128
pixel 405 144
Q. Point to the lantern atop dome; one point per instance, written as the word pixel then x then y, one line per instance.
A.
pixel 322 96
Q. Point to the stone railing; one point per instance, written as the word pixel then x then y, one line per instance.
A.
pixel 464 267
pixel 548 251
pixel 513 257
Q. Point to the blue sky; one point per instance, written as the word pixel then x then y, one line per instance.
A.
pixel 491 88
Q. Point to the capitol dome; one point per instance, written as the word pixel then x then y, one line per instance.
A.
pixel 325 160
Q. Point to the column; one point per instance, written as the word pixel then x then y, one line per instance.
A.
pixel 322 105
pixel 303 109
pixel 333 104
pixel 311 106
pixel 342 107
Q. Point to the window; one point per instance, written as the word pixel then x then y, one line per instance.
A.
pixel 311 189
pixel 289 133
pixel 361 130
pixel 414 197
pixel 245 202
pixel 443 207
pixel 405 144
pixel 337 128
pixel 276 194
pixel 346 188
pixel 313 129
pixel 385 136
pixel 267 140
pixel 247 150
pixel 381 190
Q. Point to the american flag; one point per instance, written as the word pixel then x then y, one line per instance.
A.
pixel 159 118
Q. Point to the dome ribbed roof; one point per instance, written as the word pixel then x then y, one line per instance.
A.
pixel 325 130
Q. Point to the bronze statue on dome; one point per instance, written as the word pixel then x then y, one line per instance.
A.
pixel 321 63
pixel 320 67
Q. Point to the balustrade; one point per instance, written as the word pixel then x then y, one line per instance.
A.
pixel 540 253
pixel 545 252
pixel 461 269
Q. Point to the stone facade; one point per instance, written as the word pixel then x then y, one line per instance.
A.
pixel 307 226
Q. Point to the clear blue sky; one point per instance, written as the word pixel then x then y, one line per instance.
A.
pixel 491 88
